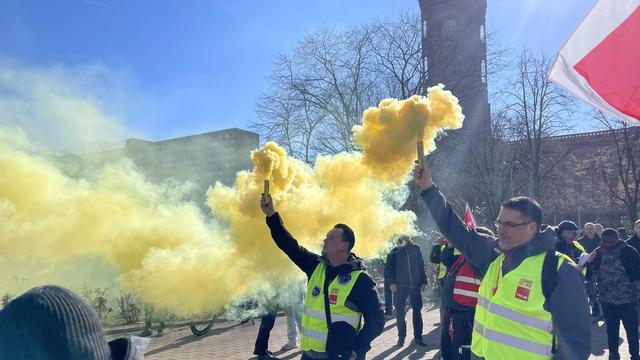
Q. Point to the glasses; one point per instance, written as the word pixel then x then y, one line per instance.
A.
pixel 509 224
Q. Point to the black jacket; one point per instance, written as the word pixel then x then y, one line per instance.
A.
pixel 589 244
pixel 405 266
pixel 363 296
pixel 634 241
pixel 570 250
pixel 434 256
pixel 568 301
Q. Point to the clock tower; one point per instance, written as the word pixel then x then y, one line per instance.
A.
pixel 454 52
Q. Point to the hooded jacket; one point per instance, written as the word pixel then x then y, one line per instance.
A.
pixel 568 300
pixel 363 297
pixel 405 266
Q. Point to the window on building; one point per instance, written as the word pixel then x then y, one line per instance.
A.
pixel 483 71
pixel 424 28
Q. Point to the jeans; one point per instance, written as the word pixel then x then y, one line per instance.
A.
pixel 628 313
pixel 388 296
pixel 415 297
pixel 294 322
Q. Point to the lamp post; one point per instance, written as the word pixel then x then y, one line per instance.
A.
pixel 511 164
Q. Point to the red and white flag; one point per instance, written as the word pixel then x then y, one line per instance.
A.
pixel 469 220
pixel 600 63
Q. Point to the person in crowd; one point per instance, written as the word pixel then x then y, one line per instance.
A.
pixel 388 295
pixel 622 234
pixel 53 323
pixel 439 246
pixel 567 233
pixel 590 241
pixel 289 299
pixel 616 268
pixel 408 279
pixel 635 239
pixel 531 301
pixel 292 308
pixel 267 321
pixel 599 229
pixel 460 297
pixel 342 313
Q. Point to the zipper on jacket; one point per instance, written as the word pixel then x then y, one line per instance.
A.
pixel 409 266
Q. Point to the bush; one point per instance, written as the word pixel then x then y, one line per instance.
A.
pixel 130 309
pixel 98 300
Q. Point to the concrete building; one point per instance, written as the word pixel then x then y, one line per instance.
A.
pixel 201 159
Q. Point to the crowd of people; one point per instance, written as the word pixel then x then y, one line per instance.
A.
pixel 528 291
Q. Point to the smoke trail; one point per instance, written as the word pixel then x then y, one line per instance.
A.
pixel 114 223
pixel 389 132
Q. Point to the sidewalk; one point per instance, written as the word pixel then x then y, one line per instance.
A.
pixel 235 341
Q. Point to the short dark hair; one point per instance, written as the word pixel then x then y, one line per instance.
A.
pixel 347 234
pixel 610 232
pixel 637 222
pixel 528 207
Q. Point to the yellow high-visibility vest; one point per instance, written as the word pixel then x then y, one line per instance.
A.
pixel 510 321
pixel 314 320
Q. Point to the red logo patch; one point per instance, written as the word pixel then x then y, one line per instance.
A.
pixel 523 290
pixel 333 297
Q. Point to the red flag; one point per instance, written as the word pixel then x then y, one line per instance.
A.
pixel 600 61
pixel 469 220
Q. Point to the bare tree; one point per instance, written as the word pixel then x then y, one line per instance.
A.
pixel 537 110
pixel 397 45
pixel 620 167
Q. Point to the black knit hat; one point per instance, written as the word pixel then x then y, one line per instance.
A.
pixel 567 225
pixel 51 322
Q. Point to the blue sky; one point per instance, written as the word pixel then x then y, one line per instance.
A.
pixel 173 68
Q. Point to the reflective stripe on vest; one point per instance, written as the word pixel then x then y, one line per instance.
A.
pixel 314 320
pixel 466 283
pixel 510 321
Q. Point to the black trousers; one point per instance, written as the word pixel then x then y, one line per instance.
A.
pixel 388 296
pixel 415 297
pixel 628 314
pixel 461 322
pixel 266 324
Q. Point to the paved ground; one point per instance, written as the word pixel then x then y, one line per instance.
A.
pixel 235 341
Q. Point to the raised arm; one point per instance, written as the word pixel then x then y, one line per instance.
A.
pixel 303 258
pixel 479 249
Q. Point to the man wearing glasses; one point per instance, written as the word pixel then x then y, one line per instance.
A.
pixel 531 302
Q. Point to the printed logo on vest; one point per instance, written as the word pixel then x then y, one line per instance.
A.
pixel 315 291
pixel 523 289
pixel 344 279
pixel 333 296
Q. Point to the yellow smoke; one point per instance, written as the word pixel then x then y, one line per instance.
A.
pixel 114 224
pixel 389 132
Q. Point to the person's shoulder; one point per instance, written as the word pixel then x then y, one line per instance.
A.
pixel 630 250
pixel 365 280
